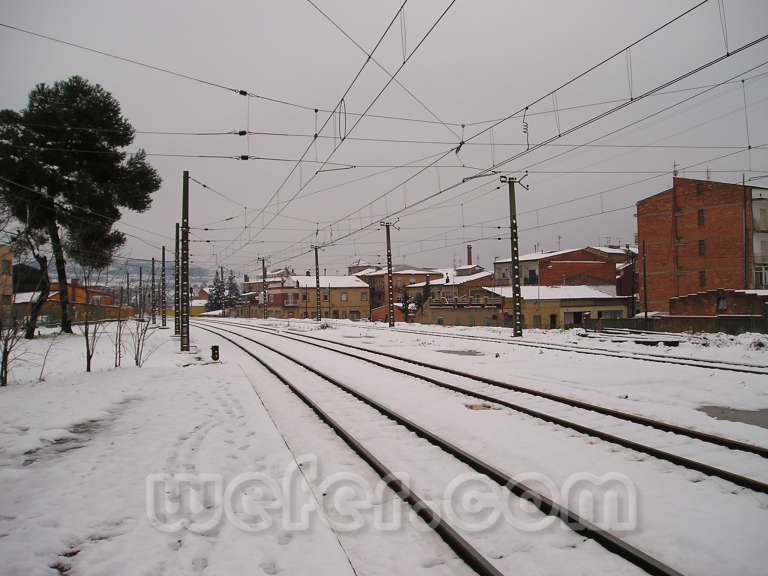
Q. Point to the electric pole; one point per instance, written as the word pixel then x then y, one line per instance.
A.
pixel 317 282
pixel 264 286
pixel 645 289
pixel 152 299
pixel 162 293
pixel 176 296
pixel 140 297
pixel 184 281
pixel 517 325
pixel 390 290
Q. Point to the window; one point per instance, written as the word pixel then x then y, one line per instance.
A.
pixel 363 297
pixel 344 297
pixel 304 297
pixel 537 320
pixel 722 304
pixel 699 189
pixel 702 249
pixel 399 282
pixel 6 267
pixel 271 298
pixel 325 297
pixel 700 215
pixel 6 298
pixel 702 278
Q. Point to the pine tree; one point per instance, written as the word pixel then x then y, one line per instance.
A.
pixel 232 291
pixel 216 295
pixel 66 176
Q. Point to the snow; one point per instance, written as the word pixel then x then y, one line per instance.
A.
pixel 558 292
pixel 28 297
pixel 753 292
pixel 325 282
pixel 454 280
pixel 77 450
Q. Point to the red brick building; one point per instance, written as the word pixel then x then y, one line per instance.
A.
pixel 563 267
pixel 701 235
pixel 721 303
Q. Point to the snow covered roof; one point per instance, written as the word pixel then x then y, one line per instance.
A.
pixel 28 297
pixel 326 281
pixel 366 272
pixel 466 267
pixel 753 292
pixel 538 255
pixel 407 272
pixel 558 292
pixel 454 280
pixel 197 302
pixel 614 250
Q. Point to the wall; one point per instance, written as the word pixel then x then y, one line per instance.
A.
pixel 576 268
pixel 460 316
pixel 668 222
pixel 356 306
pixel 712 324
pixel 706 304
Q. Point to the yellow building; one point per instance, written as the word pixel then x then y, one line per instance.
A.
pixel 341 297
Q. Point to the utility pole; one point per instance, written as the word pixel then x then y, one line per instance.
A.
pixel 152 299
pixel 140 297
pixel 390 290
pixel 176 296
pixel 317 282
pixel 517 325
pixel 645 289
pixel 264 286
pixel 184 282
pixel 162 293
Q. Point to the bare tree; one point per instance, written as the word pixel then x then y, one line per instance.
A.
pixel 10 336
pixel 29 241
pixel 119 326
pixel 48 349
pixel 93 318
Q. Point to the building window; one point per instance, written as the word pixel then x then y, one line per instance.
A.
pixel 344 297
pixel 399 283
pixel 6 267
pixel 702 249
pixel 701 216
pixel 325 297
pixel 271 298
pixel 699 189
pixel 722 304
pixel 304 297
pixel 537 320
pixel 6 298
pixel 363 297
pixel 702 279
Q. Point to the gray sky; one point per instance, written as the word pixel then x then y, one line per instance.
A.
pixel 484 60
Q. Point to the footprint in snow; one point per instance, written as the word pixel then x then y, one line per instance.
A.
pixel 269 568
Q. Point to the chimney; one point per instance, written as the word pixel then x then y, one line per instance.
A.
pixel 307 274
pixel 245 277
pixel 469 254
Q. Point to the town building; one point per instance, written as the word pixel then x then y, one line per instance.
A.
pixel 6 276
pixel 464 281
pixel 402 277
pixel 572 267
pixel 342 297
pixel 698 236
pixel 721 303
pixel 255 282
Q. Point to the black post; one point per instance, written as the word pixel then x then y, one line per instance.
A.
pixel 517 324
pixel 162 293
pixel 176 296
pixel 264 286
pixel 184 283
pixel 390 288
pixel 152 299
pixel 317 284
pixel 645 289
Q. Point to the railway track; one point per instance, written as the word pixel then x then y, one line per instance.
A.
pixel 710 470
pixel 466 551
pixel 746 368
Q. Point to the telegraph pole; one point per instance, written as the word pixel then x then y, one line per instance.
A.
pixel 184 282
pixel 517 325
pixel 140 297
pixel 317 282
pixel 645 289
pixel 176 298
pixel 390 289
pixel 162 293
pixel 152 299
pixel 264 286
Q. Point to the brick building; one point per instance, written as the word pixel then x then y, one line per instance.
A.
pixel 701 235
pixel 721 303
pixel 401 279
pixel 462 282
pixel 6 275
pixel 343 297
pixel 583 266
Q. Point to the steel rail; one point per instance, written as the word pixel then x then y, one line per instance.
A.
pixel 463 549
pixel 738 479
pixel 549 507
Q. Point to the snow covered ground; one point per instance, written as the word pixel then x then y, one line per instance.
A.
pixel 96 469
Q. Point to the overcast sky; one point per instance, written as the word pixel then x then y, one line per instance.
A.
pixel 484 60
